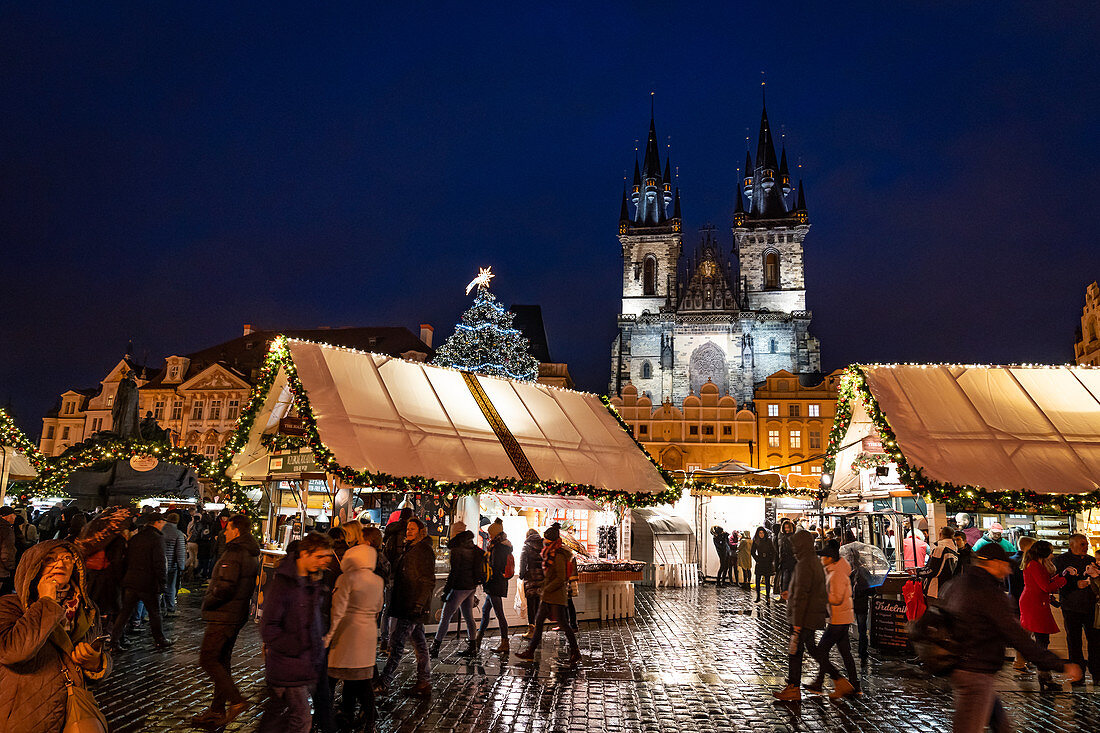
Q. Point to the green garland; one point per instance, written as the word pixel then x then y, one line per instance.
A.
pixel 54 477
pixel 11 435
pixel 870 460
pixel 781 492
pixel 854 387
pixel 279 357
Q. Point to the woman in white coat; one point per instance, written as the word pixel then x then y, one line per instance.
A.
pixel 353 639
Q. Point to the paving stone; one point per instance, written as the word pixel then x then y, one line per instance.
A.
pixel 693 660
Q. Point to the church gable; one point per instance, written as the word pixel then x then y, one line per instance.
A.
pixel 710 287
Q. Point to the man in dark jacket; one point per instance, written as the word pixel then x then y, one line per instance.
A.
pixel 393 542
pixel 807 601
pixel 763 553
pixel 175 558
pixel 466 574
pixel 496 586
pixel 144 581
pixel 410 605
pixel 1079 605
pixel 531 573
pixel 786 555
pixel 225 610
pixel 291 630
pixel 7 550
pixel 983 624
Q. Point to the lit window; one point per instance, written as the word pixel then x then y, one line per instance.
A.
pixel 814 410
pixel 173 372
pixel 773 410
pixel 209 451
pixel 796 469
pixel 693 430
pixel 215 409
pixel 771 270
pixel 796 439
pixel 110 400
pixel 232 409
pixel 794 410
pixel 815 439
pixel 158 410
pixel 773 438
pixel 196 410
pixel 815 470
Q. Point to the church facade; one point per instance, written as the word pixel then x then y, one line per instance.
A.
pixel 731 315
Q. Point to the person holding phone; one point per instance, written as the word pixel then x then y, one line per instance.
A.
pixel 50 635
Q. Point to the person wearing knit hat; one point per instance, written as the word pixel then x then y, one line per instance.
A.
pixel 554 594
pixel 996 536
pixel 502 567
pixel 495 528
pixel 457 528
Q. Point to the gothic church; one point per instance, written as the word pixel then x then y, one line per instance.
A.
pixel 731 321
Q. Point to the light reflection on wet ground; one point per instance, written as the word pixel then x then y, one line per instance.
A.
pixel 692 660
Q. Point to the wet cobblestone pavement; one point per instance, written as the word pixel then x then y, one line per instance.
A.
pixel 696 660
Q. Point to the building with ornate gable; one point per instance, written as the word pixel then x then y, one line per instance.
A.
pixel 1086 348
pixel 730 315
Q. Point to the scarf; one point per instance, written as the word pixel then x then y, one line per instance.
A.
pixel 548 553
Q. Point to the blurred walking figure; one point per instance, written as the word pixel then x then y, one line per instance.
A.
pixel 839 588
pixel 466 574
pixel 763 553
pixel 807 599
pixel 786 554
pixel 225 609
pixel 501 568
pixel 410 605
pixel 144 581
pixel 175 557
pixel 353 638
pixel 554 598
pixel 721 540
pixel 530 572
pixel 291 631
pixel 744 559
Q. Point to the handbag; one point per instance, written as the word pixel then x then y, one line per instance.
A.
pixel 82 714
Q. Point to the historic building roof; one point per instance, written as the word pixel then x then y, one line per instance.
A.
pixel 711 286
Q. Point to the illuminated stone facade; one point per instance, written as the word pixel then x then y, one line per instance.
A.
pixel 1086 350
pixel 794 416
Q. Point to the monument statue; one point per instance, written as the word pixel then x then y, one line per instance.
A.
pixel 124 411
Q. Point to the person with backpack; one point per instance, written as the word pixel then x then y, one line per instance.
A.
pixel 942 565
pixel 763 553
pixel 983 623
pixel 502 566
pixel 555 594
pixel 530 572
pixel 468 571
pixel 838 583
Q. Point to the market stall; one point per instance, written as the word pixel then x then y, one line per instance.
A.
pixel 1016 444
pixel 378 423
pixel 19 458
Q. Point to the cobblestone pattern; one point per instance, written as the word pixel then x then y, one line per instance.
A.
pixel 694 660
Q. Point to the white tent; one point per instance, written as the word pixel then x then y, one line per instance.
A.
pixel 17 455
pixel 386 415
pixel 1018 428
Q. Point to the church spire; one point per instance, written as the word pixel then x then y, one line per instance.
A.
pixel 624 210
pixel 770 181
pixel 784 174
pixel 652 191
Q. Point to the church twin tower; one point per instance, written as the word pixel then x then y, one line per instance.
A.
pixel 730 321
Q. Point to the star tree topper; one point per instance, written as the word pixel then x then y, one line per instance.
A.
pixel 482 280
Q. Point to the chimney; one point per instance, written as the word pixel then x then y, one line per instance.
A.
pixel 426 332
pixel 248 329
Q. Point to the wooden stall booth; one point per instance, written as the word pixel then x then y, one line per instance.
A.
pixel 389 425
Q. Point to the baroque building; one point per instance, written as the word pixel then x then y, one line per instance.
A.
pixel 1086 349
pixel 795 415
pixel 731 315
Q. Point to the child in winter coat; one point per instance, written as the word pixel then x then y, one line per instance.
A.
pixel 838 583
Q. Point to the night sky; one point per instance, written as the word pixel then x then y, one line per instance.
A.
pixel 169 175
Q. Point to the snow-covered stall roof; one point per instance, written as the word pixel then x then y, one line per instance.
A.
pixel 997 429
pixel 378 414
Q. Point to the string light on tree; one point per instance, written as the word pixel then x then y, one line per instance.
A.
pixel 485 341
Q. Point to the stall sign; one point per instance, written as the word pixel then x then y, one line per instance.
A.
pixel 143 463
pixel 302 462
pixel 796 505
pixel 295 426
pixel 873 444
pixel 889 625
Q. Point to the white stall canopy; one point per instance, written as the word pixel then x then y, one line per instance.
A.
pixel 382 414
pixel 998 428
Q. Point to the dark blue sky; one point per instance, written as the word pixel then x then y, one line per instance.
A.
pixel 168 175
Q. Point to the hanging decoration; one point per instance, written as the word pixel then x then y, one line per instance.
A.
pixel 485 341
pixel 870 460
pixel 854 390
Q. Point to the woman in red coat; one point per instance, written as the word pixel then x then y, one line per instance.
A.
pixel 1040 581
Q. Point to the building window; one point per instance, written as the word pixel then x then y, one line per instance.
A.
pixel 815 470
pixel 110 400
pixel 643 429
pixel 215 409
pixel 232 409
pixel 196 410
pixel 158 410
pixel 815 439
pixel 693 430
pixel 49 432
pixel 727 430
pixel 177 410
pixel 649 276
pixel 69 406
pixel 814 410
pixel 209 451
pixel 773 438
pixel 173 372
pixel 794 411
pixel 708 430
pixel 97 424
pixel 774 348
pixel 773 410
pixel 771 269
pixel 647 370
pixel 796 469
pixel 65 433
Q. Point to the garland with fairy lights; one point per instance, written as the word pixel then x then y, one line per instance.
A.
pixel 854 389
pixel 279 357
pixel 54 477
pixel 770 492
pixel 12 436
pixel 870 460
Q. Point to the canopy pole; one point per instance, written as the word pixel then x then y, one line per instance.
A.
pixel 4 473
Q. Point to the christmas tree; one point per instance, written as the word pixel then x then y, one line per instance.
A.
pixel 485 342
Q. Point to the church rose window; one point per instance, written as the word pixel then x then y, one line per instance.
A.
pixel 771 269
pixel 650 276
